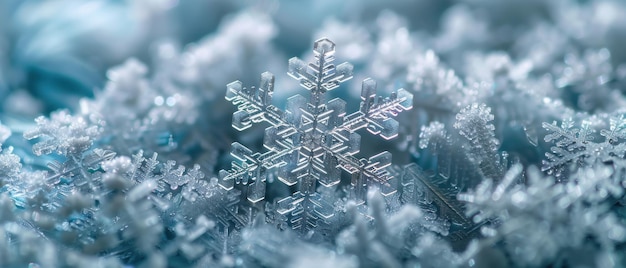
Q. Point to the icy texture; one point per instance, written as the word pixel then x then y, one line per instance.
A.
pixel 511 154
pixel 535 221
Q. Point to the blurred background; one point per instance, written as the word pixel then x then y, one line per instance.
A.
pixel 54 52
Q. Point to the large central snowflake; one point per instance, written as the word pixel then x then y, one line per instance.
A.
pixel 313 139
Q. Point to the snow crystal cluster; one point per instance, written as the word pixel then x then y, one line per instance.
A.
pixel 169 134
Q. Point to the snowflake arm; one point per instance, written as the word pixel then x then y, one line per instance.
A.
pixel 254 105
pixel 570 143
pixel 376 112
pixel 320 76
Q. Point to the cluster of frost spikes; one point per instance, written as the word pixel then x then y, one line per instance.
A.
pixel 92 206
pixel 545 222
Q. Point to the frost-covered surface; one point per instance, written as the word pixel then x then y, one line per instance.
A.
pixel 474 133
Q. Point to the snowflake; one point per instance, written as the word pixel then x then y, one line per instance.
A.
pixel 579 145
pixel 314 139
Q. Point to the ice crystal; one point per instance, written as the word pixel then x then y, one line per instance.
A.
pixel 474 123
pixel 314 139
pixel 63 133
pixel 578 146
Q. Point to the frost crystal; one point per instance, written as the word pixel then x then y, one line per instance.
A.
pixel 63 134
pixel 314 139
pixel 474 123
pixel 579 145
pixel 544 220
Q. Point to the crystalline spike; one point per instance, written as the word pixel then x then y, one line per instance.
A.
pixel 331 175
pixel 368 92
pixel 338 108
pixel 241 120
pixel 407 98
pixel 224 181
pixel 389 129
pixel 256 191
pixel 271 139
pixel 389 187
pixel 380 161
pixel 297 69
pixel 240 152
pixel 324 46
pixel 232 89
pixel 266 88
pixel 344 71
